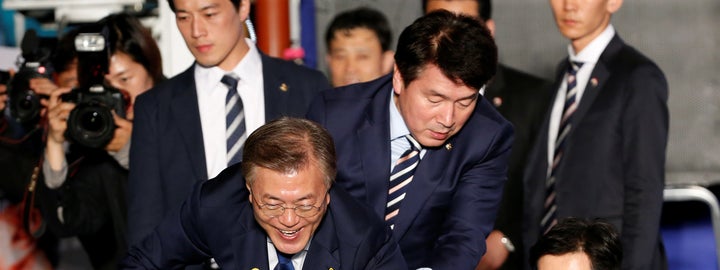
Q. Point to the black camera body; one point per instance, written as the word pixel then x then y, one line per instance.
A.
pixel 24 103
pixel 91 122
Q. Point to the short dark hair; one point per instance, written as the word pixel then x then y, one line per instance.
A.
pixel 287 145
pixel 64 53
pixel 598 239
pixel 127 35
pixel 461 46
pixel 236 3
pixel 484 8
pixel 362 17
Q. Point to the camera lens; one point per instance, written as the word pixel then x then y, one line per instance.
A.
pixel 25 106
pixel 92 122
pixel 91 125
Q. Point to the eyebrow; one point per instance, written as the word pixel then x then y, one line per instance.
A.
pixel 306 197
pixel 204 8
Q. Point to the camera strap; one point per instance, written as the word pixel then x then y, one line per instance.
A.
pixel 32 218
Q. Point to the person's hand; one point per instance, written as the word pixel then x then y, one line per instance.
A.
pixel 496 252
pixel 123 130
pixel 43 87
pixel 57 115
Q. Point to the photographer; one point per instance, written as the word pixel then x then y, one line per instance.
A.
pixel 87 182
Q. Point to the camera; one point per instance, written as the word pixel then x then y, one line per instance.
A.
pixel 24 103
pixel 91 122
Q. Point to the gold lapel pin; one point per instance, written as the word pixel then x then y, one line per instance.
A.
pixel 594 82
pixel 331 268
pixel 283 87
pixel 255 268
pixel 448 146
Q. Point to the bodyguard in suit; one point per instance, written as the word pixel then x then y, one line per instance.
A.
pixel 427 126
pixel 180 128
pixel 292 219
pixel 522 99
pixel 601 150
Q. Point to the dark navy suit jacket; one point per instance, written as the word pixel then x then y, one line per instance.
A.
pixel 167 154
pixel 217 221
pixel 451 204
pixel 613 164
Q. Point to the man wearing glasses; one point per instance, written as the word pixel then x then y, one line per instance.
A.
pixel 293 218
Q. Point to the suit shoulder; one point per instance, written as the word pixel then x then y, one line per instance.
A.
pixel 293 69
pixel 163 90
pixel 226 190
pixel 366 90
pixel 629 58
pixel 515 75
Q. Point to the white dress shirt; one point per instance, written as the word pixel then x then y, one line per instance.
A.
pixel 298 260
pixel 589 57
pixel 211 102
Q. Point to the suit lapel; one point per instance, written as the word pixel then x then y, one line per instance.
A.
pixel 186 115
pixel 250 248
pixel 598 78
pixel 324 250
pixel 373 146
pixel 275 89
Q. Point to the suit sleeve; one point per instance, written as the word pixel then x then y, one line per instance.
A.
pixel 387 254
pixel 175 242
pixel 461 242
pixel 145 194
pixel 645 131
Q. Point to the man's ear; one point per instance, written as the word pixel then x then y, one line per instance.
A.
pixel 244 9
pixel 249 193
pixel 491 26
pixel 397 80
pixel 614 5
pixel 388 61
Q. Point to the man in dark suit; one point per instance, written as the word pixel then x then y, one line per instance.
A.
pixel 522 99
pixel 601 149
pixel 179 134
pixel 431 105
pixel 292 213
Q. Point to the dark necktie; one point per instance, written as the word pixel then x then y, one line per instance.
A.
pixel 284 262
pixel 400 178
pixel 234 120
pixel 549 217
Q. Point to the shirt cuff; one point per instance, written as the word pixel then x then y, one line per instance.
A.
pixel 123 155
pixel 54 179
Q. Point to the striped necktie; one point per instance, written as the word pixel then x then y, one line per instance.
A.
pixel 400 178
pixel 549 217
pixel 234 120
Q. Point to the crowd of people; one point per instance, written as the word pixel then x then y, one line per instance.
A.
pixel 429 155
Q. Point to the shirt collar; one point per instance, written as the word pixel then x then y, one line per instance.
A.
pixel 397 124
pixel 591 53
pixel 246 68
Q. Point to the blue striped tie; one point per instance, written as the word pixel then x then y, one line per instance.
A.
pixel 549 217
pixel 400 178
pixel 234 120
